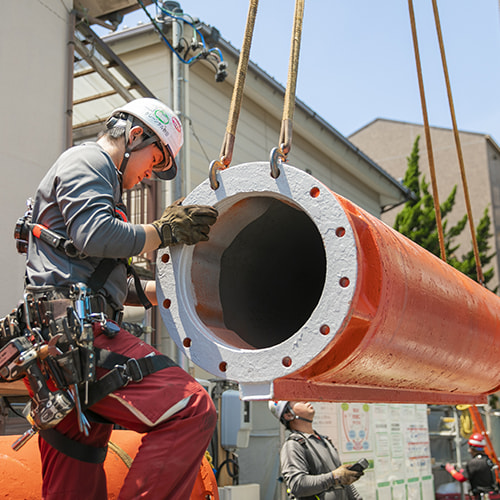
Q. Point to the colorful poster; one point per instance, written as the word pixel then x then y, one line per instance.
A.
pixel 355 427
pixel 393 438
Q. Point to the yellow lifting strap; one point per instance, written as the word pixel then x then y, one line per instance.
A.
pixel 460 156
pixel 479 271
pixel 226 154
pixel 427 130
pixel 285 141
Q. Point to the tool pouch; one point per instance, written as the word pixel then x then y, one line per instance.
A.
pixel 73 367
pixel 65 369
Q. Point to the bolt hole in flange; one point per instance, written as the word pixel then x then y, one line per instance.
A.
pixel 269 273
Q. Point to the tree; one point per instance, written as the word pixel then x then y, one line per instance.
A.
pixel 417 221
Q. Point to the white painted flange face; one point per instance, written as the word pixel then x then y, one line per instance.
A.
pixel 273 285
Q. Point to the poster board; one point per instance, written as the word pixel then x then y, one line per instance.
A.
pixel 394 438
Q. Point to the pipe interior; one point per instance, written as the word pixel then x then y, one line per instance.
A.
pixel 259 278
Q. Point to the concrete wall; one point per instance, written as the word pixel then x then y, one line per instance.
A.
pixel 33 104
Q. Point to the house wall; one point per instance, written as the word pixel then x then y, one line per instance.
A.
pixel 33 87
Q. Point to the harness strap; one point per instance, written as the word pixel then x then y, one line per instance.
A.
pixel 122 370
pixel 139 289
pixel 101 273
pixel 74 449
pixel 300 438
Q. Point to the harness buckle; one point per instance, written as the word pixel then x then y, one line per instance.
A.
pixel 134 370
pixel 130 371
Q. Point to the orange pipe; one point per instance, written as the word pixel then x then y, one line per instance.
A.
pixel 21 475
pixel 300 294
pixel 418 330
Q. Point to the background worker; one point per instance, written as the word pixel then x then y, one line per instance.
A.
pixel 310 463
pixel 80 198
pixel 479 471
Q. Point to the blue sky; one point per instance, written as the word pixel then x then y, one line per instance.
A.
pixel 357 61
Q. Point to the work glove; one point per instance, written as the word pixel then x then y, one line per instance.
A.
pixel 344 476
pixel 185 224
pixel 449 468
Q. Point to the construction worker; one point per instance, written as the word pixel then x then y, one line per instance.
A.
pixel 310 463
pixel 80 199
pixel 479 471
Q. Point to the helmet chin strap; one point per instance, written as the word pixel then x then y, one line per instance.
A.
pixel 296 417
pixel 128 149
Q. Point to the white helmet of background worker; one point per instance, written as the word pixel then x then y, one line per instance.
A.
pixel 278 409
pixel 166 130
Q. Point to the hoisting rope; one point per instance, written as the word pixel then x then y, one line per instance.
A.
pixel 226 154
pixel 121 453
pixel 427 131
pixel 474 415
pixel 479 271
pixel 285 141
pixel 432 169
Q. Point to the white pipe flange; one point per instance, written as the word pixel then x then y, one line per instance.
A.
pixel 273 285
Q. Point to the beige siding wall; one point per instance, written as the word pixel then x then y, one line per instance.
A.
pixel 493 154
pixel 33 41
pixel 389 143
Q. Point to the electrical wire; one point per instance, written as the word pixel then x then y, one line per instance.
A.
pixel 203 54
pixel 195 135
pixel 196 30
pixel 11 407
pixel 233 474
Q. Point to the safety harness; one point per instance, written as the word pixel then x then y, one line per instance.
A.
pixel 50 338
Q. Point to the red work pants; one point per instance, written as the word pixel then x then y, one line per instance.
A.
pixel 174 411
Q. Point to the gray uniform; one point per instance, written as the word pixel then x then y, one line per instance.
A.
pixel 307 467
pixel 77 199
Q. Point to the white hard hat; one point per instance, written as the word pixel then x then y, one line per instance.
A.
pixel 163 122
pixel 278 409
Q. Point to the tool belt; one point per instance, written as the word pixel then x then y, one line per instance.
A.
pixel 40 300
pixel 51 336
pixel 122 371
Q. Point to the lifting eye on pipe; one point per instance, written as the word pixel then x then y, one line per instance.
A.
pixel 300 294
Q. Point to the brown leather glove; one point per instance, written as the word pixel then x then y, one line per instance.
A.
pixel 185 224
pixel 344 476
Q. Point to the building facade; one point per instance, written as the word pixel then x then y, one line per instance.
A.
pixel 389 143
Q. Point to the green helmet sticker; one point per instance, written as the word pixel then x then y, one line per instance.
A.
pixel 162 116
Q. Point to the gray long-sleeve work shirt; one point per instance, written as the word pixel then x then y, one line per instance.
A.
pixel 307 469
pixel 77 199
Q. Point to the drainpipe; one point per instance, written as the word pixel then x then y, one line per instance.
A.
pixel 69 79
pixel 177 91
pixel 176 187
